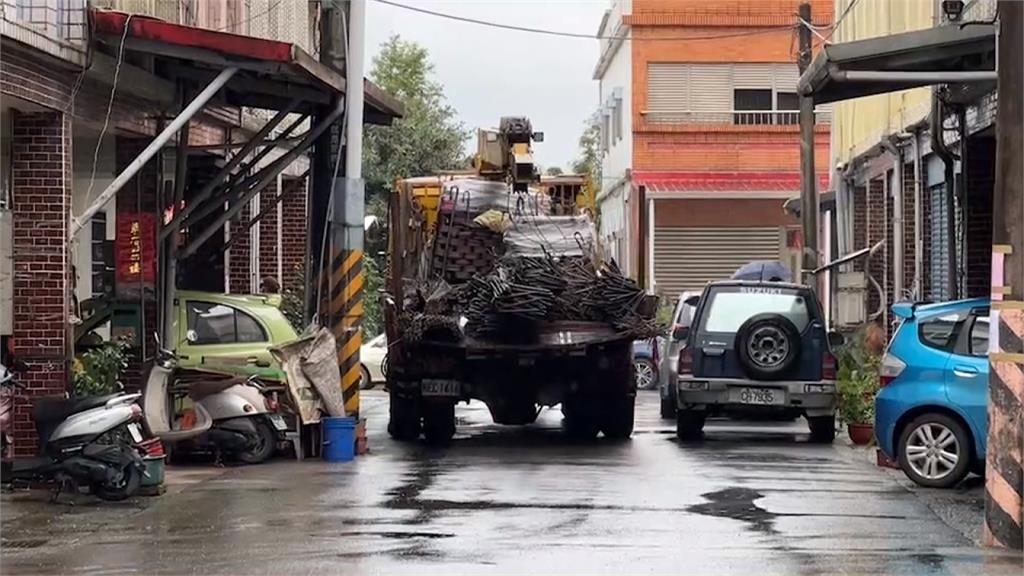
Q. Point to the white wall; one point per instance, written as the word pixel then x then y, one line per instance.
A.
pixel 619 157
pixel 83 148
pixel 616 76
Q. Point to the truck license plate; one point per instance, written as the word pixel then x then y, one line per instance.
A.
pixel 278 421
pixel 759 396
pixel 441 388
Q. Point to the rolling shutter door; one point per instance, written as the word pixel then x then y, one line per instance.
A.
pixel 710 90
pixel 755 76
pixel 689 258
pixel 667 92
pixel 786 77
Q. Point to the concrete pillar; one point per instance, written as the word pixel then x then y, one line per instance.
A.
pixel 41 184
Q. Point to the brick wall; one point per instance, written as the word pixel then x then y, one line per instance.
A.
pixel 738 213
pixel 241 246
pixel 293 230
pixel 980 185
pixel 268 232
pixel 860 223
pixel 909 226
pixel 41 183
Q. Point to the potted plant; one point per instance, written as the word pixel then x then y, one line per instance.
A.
pixel 857 385
pixel 98 371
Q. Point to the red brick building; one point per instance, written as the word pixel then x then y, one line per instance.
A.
pixel 699 116
pixel 73 117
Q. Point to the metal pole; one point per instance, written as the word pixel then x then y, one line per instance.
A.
pixel 347 225
pixel 283 161
pixel 171 258
pixel 808 180
pixel 923 77
pixel 235 160
pixel 1004 471
pixel 165 135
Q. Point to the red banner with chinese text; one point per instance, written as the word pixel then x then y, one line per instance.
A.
pixel 135 249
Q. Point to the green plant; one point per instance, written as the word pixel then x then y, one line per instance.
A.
pixel 98 371
pixel 857 380
pixel 293 298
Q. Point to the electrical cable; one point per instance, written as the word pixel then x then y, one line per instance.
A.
pixel 563 34
pixel 110 108
pixel 334 178
pixel 841 19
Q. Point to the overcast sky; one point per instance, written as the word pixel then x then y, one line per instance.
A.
pixel 488 72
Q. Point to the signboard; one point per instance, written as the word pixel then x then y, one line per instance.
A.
pixel 135 249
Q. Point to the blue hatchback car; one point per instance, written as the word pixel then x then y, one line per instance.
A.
pixel 931 415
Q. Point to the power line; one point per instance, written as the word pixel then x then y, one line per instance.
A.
pixel 842 17
pixel 564 34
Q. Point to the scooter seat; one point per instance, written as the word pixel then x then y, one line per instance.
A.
pixel 57 409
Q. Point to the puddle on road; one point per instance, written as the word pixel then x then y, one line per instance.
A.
pixel 737 504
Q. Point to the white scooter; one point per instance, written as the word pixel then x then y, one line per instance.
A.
pixel 84 441
pixel 232 417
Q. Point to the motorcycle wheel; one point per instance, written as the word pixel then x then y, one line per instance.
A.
pixel 123 488
pixel 266 443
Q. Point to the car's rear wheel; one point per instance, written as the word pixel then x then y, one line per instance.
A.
pixel 690 424
pixel 935 451
pixel 365 380
pixel 823 428
pixel 645 373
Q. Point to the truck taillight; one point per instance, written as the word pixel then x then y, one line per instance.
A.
pixel 890 369
pixel 828 367
pixel 685 366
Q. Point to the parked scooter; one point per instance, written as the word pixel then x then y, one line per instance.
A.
pixel 231 417
pixel 88 441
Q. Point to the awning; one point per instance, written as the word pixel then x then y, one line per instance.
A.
pixel 271 73
pixel 826 201
pixel 721 185
pixel 950 54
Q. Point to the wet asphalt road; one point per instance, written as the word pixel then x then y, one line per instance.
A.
pixel 752 499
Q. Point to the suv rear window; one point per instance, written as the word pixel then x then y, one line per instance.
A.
pixel 730 308
pixel 938 331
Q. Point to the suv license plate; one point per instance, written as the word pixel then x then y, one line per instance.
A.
pixel 278 421
pixel 759 396
pixel 441 388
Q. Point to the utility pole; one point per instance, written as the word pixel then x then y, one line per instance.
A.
pixel 808 179
pixel 336 214
pixel 346 295
pixel 1004 470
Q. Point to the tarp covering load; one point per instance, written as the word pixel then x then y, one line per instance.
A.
pixel 502 267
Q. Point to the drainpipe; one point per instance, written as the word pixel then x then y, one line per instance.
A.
pixel 891 144
pixel 961 198
pixel 949 160
pixel 918 216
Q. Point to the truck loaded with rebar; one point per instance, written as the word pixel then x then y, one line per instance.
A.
pixel 497 292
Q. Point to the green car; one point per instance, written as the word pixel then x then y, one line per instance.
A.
pixel 230 333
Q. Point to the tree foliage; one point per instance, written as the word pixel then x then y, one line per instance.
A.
pixel 554 171
pixel 589 160
pixel 426 140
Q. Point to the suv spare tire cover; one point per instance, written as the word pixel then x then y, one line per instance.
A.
pixel 768 346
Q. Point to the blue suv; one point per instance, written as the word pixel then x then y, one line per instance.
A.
pixel 931 414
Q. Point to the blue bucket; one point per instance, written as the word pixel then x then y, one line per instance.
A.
pixel 339 439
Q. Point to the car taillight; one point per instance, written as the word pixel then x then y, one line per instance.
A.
pixel 828 367
pixel 685 366
pixel 890 369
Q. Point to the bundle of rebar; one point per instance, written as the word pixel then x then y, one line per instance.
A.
pixel 417 327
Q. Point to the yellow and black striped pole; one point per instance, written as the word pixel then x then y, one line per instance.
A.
pixel 346 311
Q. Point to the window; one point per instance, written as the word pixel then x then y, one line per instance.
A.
pixel 605 135
pixel 787 101
pixel 210 323
pixel 938 331
pixel 749 99
pixel 729 310
pixel 102 257
pixel 979 337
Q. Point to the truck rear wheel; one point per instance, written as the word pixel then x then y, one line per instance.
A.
pixel 617 421
pixel 404 424
pixel 690 424
pixel 579 421
pixel 439 422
